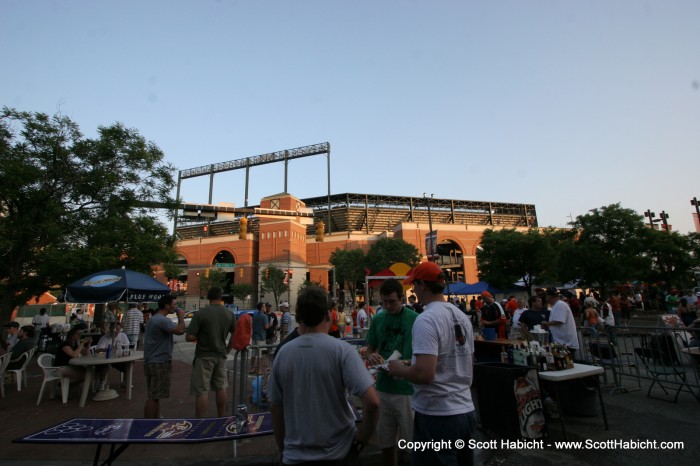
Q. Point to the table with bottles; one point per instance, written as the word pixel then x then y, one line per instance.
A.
pixel 554 365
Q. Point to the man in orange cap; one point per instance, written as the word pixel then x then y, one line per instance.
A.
pixel 440 370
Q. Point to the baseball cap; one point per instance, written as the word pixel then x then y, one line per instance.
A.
pixel 428 271
pixel 268 305
pixel 12 324
pixel 486 294
pixel 552 292
pixel 284 304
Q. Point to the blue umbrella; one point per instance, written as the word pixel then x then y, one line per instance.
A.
pixel 115 285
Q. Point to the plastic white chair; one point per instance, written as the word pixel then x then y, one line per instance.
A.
pixel 52 375
pixel 93 350
pixel 21 373
pixel 4 362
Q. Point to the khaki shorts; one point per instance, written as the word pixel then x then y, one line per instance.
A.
pixel 208 374
pixel 158 379
pixel 395 419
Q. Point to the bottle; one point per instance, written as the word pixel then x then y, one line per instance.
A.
pixel 542 362
pixel 504 355
pixel 511 358
pixel 550 359
pixel 109 351
pixel 567 358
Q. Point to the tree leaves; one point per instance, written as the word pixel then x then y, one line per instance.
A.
pixel 69 205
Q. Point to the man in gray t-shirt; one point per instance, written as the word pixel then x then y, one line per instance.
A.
pixel 158 353
pixel 311 376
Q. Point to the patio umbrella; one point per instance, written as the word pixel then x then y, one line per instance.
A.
pixel 115 285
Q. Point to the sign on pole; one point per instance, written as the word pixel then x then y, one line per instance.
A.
pixel 431 245
pixel 226 267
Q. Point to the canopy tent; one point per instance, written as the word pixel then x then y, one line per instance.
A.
pixel 116 285
pixel 461 288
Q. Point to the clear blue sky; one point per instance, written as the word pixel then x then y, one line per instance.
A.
pixel 569 105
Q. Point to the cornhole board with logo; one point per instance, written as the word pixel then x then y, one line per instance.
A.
pixel 124 432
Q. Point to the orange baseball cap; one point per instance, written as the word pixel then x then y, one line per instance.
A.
pixel 428 271
pixel 486 294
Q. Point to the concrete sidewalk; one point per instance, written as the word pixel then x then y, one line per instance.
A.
pixel 631 416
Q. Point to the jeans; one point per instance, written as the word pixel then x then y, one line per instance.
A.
pixel 444 429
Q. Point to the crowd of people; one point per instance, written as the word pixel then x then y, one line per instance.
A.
pixel 423 354
pixel 421 349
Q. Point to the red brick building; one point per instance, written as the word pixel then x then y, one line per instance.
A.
pixel 350 221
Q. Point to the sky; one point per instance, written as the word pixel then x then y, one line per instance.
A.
pixel 568 105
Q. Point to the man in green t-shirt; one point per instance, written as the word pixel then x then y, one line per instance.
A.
pixel 391 331
pixel 210 327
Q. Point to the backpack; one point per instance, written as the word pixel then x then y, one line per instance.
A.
pixel 242 332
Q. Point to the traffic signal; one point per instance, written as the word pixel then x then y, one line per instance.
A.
pixel 267 273
pixel 291 274
pixel 319 231
pixel 242 228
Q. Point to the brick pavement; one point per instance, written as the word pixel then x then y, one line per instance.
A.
pixel 631 416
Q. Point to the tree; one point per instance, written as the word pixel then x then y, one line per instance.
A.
pixel 210 279
pixel 273 282
pixel 71 205
pixel 349 268
pixel 241 291
pixel 508 256
pixel 609 248
pixel 388 251
pixel 672 258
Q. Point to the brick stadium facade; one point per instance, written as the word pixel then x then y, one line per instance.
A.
pixel 351 221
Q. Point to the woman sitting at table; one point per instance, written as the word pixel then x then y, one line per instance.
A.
pixel 114 337
pixel 72 347
pixel 119 342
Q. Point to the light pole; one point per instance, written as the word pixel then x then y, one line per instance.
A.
pixel 664 220
pixel 694 201
pixel 199 289
pixel 289 271
pixel 430 226
pixel 650 215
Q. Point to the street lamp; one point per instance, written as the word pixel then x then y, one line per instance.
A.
pixel 430 225
pixel 694 201
pixel 664 219
pixel 199 290
pixel 650 215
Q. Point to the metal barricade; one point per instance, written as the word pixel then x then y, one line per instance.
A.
pixel 658 354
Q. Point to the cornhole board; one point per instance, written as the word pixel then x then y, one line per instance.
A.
pixel 120 433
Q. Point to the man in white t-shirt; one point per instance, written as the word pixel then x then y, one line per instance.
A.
pixel 441 371
pixel 40 320
pixel 561 322
pixel 362 317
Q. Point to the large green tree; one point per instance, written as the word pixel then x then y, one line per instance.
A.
pixel 349 268
pixel 389 251
pixel 273 282
pixel 672 257
pixel 71 205
pixel 610 248
pixel 507 256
